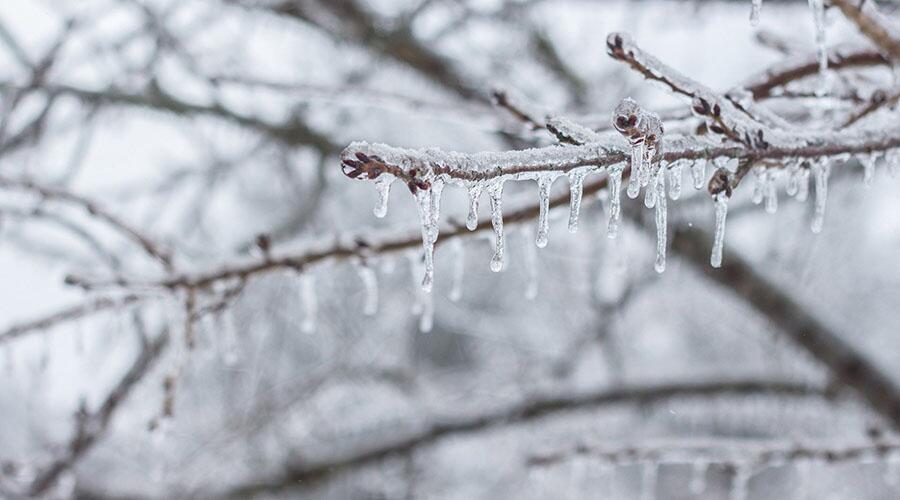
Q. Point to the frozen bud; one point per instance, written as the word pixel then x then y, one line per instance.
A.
pixel 625 116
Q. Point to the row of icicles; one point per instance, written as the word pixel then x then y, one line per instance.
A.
pixel 660 180
pixel 739 487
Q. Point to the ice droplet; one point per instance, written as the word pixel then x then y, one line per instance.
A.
pixel 309 302
pixel 495 191
pixel 370 285
pixel 474 195
pixel 721 202
pixel 698 173
pixel 661 221
pixel 383 186
pixel 821 169
pixel 576 186
pixel 615 208
pixel 543 232
pixel 459 263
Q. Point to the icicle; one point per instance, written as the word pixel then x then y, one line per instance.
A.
pixel 370 284
pixel 543 231
pixel 803 184
pixel 426 320
pixel 892 158
pixel 771 193
pixel 739 483
pixel 793 184
pixel 425 201
pixel 675 172
pixel 434 225
pixel 383 186
pixel 531 273
pixel 637 159
pixel 474 195
pixel 459 263
pixel 495 191
pixel 754 12
pixel 818 11
pixel 759 182
pixel 576 186
pixel 649 472
pixel 698 477
pixel 698 173
pixel 661 220
pixel 615 186
pixel 821 169
pixel 721 201
pixel 310 305
pixel 868 163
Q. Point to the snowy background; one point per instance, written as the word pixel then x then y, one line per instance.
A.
pixel 204 124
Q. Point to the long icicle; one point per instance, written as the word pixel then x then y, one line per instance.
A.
pixel 821 169
pixel 576 187
pixel 661 220
pixel 721 202
pixel 495 191
pixel 424 204
pixel 543 231
pixel 615 207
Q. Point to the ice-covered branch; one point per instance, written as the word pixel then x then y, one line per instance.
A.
pixel 867 18
pixel 309 472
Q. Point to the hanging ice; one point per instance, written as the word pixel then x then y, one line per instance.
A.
pixel 370 285
pixel 543 231
pixel 661 220
pixel 474 195
pixel 650 193
pixel 576 186
pixel 803 183
pixel 383 186
pixel 309 302
pixel 821 169
pixel 649 471
pixel 424 204
pixel 759 181
pixel 675 172
pixel 739 483
pixel 698 477
pixel 793 184
pixel 495 191
pixel 721 201
pixel 634 180
pixel 868 162
pixel 459 263
pixel 615 186
pixel 771 193
pixel 698 173
pixel 754 12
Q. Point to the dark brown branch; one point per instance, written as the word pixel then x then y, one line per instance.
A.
pixel 847 365
pixel 315 472
pixel 865 16
pixel 91 426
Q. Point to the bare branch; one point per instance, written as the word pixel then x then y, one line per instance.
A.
pixel 866 17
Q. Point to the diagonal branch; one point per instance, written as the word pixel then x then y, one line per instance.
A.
pixel 866 17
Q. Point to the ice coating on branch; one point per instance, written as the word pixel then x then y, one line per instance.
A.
pixel 474 195
pixel 370 285
pixel 698 477
pixel 576 187
pixel 721 202
pixel 545 182
pixel 868 162
pixel 309 302
pixel 569 132
pixel 459 264
pixel 495 191
pixel 661 221
pixel 383 187
pixel 615 207
pixel 698 173
pixel 675 173
pixel 755 7
pixel 821 169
